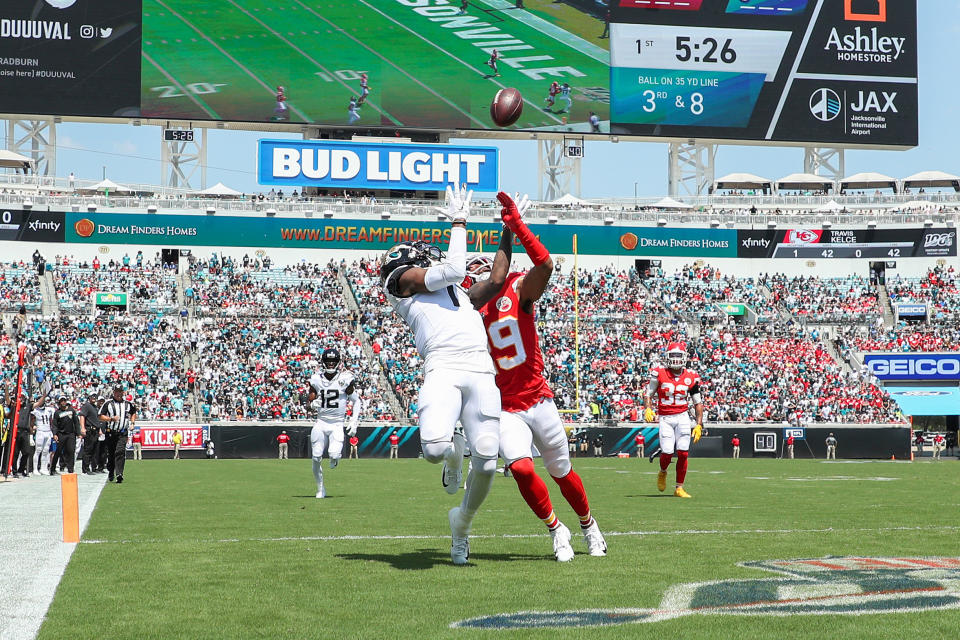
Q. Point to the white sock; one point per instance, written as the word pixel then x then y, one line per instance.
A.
pixel 479 481
pixel 318 472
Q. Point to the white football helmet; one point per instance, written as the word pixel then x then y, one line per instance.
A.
pixel 676 356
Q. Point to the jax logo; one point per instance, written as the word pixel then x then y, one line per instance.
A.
pixel 820 586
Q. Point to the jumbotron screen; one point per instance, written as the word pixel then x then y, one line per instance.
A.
pixel 832 71
pixel 823 71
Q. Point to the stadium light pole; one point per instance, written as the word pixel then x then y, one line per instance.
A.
pixel 634 195
pixel 104 172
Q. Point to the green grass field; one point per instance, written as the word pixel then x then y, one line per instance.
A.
pixel 223 59
pixel 242 549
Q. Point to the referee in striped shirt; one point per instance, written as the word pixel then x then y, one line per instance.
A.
pixel 117 417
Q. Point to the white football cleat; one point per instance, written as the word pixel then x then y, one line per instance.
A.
pixel 452 475
pixel 322 493
pixel 561 543
pixel 334 462
pixel 459 542
pixel 596 545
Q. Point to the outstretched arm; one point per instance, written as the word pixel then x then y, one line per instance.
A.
pixel 483 292
pixel 451 271
pixel 532 285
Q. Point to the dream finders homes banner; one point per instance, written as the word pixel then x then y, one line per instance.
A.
pixel 377 235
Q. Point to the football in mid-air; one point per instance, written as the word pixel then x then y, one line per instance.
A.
pixel 506 107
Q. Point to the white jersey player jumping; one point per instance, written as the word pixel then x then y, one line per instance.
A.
pixel 424 287
pixel 328 396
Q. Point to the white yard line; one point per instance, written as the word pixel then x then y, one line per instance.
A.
pixel 548 28
pixel 236 62
pixel 179 85
pixel 361 538
pixel 32 554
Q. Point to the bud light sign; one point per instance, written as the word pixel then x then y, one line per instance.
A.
pixel 334 164
pixel 914 366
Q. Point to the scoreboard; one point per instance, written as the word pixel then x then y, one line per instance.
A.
pixel 814 71
pixel 883 244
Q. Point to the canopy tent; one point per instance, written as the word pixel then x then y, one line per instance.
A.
pixel 927 401
pixel 833 206
pixel 670 203
pixel 568 199
pixel 218 190
pixel 742 181
pixel 107 185
pixel 932 179
pixel 10 159
pixel 804 181
pixel 868 181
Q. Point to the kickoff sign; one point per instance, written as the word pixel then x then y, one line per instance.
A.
pixel 159 436
pixel 338 164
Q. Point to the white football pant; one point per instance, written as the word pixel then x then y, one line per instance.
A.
pixel 448 395
pixel 327 437
pixel 675 432
pixel 539 426
pixel 43 441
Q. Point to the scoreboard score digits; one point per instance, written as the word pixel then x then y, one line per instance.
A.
pixel 776 70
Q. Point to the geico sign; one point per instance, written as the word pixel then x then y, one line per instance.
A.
pixel 890 367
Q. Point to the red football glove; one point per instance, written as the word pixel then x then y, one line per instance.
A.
pixel 510 215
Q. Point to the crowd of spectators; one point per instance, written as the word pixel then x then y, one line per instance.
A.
pixel 903 336
pixel 826 300
pixel 257 368
pixel 80 355
pixel 939 289
pixel 784 375
pixel 19 287
pixel 151 287
pixel 695 293
pixel 224 286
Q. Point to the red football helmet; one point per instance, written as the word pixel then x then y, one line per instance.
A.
pixel 677 355
pixel 478 269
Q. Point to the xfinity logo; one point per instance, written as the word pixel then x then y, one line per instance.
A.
pixel 865 45
pixel 938 240
pixel 752 243
pixel 36 225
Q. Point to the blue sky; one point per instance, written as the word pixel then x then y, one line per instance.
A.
pixel 132 154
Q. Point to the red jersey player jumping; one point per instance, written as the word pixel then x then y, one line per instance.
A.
pixel 529 416
pixel 674 387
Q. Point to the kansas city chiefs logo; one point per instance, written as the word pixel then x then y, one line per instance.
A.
pixel 803 236
pixel 816 586
pixel 504 304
